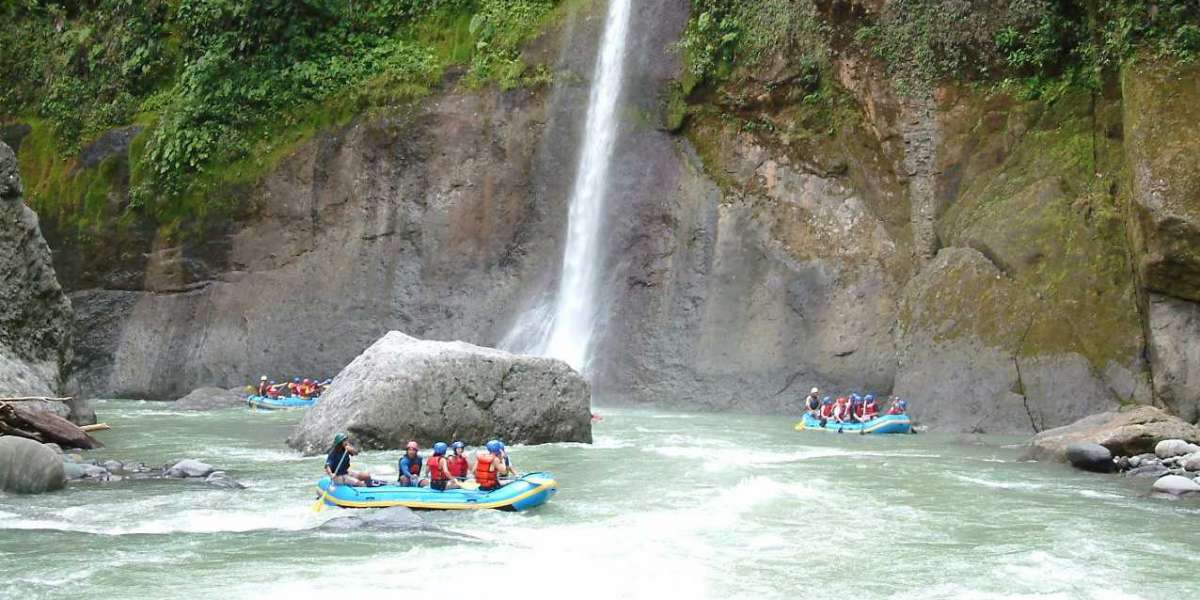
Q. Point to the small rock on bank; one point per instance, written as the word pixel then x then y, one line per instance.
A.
pixel 28 467
pixel 209 398
pixel 402 388
pixel 1173 448
pixel 1090 457
pixel 1176 485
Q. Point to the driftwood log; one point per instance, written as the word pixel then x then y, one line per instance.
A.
pixel 22 421
pixel 36 399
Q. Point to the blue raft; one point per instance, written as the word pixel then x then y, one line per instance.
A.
pixel 881 424
pixel 526 492
pixel 286 402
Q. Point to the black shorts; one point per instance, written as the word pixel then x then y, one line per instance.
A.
pixel 438 485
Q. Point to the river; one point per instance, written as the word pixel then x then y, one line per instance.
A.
pixel 662 505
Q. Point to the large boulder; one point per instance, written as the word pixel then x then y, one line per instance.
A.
pixel 27 467
pixel 208 398
pixel 1125 432
pixel 403 388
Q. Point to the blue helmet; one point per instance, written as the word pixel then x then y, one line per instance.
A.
pixel 439 448
pixel 457 445
pixel 869 398
pixel 495 446
pixel 272 382
pixel 855 397
pixel 902 404
pixel 295 380
pixel 827 400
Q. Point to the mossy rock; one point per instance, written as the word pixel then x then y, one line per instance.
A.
pixel 1162 134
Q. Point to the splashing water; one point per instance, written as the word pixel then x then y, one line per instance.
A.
pixel 567 332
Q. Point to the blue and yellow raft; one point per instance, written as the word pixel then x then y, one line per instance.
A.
pixel 528 491
pixel 285 402
pixel 881 424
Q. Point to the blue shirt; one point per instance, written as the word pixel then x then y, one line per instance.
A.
pixel 406 465
pixel 338 461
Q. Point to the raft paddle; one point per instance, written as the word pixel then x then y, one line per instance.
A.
pixel 320 505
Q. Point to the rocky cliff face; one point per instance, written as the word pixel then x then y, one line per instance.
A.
pixel 35 316
pixel 1008 265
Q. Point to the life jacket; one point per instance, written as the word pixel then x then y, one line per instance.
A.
pixel 484 474
pixel 895 410
pixel 859 411
pixel 827 410
pixel 458 466
pixel 435 468
pixel 870 411
pixel 812 402
pixel 263 388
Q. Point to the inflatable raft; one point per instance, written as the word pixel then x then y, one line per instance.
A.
pixel 526 492
pixel 285 402
pixel 881 424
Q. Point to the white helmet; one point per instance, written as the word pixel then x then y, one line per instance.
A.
pixel 814 390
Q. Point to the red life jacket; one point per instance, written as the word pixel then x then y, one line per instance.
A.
pixel 895 410
pixel 870 412
pixel 484 474
pixel 435 468
pixel 827 410
pixel 859 411
pixel 458 466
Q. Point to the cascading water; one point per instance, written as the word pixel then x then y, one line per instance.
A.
pixel 565 330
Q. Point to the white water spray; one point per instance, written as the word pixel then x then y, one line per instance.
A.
pixel 567 332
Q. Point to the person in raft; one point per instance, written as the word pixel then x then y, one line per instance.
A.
pixel 263 386
pixel 870 410
pixel 410 467
pixel 438 466
pixel 337 463
pixel 458 464
pixel 812 403
pixel 826 409
pixel 899 406
pixel 491 464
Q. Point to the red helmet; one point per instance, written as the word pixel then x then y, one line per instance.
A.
pixel 412 446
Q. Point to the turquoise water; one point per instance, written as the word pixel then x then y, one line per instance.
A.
pixel 663 505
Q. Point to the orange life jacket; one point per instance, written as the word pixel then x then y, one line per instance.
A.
pixel 485 475
pixel 458 466
pixel 435 468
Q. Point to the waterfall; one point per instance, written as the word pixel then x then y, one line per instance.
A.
pixel 564 330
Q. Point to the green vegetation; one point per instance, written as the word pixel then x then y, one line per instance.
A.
pixel 1040 47
pixel 226 87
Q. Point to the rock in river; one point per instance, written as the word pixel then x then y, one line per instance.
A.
pixel 1176 485
pixel 1090 457
pixel 221 480
pixel 403 388
pixel 27 467
pixel 208 398
pixel 1125 433
pixel 189 467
